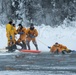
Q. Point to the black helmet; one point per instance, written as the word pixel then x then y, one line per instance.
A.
pixel 13 24
pixel 31 26
pixel 10 22
pixel 56 43
pixel 20 25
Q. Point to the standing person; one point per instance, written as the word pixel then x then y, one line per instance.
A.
pixel 9 29
pixel 22 31
pixel 10 33
pixel 57 48
pixel 31 33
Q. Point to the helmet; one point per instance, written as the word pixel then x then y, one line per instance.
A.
pixel 13 24
pixel 56 43
pixel 10 22
pixel 31 26
pixel 20 25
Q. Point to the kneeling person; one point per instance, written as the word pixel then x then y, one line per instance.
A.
pixel 58 48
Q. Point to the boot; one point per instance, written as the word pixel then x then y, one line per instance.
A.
pixel 7 47
pixel 27 43
pixel 10 49
pixel 14 47
pixel 36 46
pixel 24 45
pixel 20 45
pixel 28 47
pixel 35 43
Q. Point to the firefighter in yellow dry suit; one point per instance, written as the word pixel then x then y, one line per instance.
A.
pixel 22 32
pixel 31 33
pixel 10 33
pixel 58 48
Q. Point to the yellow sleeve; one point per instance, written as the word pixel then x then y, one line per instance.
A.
pixel 8 29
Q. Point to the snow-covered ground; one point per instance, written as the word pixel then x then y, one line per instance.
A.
pixel 48 36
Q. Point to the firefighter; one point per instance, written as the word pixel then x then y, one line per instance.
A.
pixel 31 33
pixel 58 48
pixel 10 33
pixel 22 32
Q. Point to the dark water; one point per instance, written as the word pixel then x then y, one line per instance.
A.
pixel 38 64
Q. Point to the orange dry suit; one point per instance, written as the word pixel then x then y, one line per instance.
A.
pixel 31 34
pixel 22 31
pixel 22 36
pixel 58 47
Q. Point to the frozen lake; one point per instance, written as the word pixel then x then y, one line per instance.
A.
pixel 37 64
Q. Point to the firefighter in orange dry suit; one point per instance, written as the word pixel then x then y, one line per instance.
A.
pixel 31 33
pixel 10 33
pixel 58 48
pixel 22 31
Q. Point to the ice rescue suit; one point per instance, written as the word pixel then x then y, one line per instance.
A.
pixel 58 47
pixel 22 36
pixel 31 32
pixel 22 31
pixel 29 38
pixel 9 28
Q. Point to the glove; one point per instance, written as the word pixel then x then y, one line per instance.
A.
pixel 49 47
pixel 32 36
pixel 10 37
pixel 20 32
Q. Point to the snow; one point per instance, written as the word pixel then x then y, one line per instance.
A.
pixel 48 36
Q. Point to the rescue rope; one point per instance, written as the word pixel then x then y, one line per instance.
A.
pixel 42 42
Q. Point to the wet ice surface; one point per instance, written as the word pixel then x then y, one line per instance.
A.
pixel 37 64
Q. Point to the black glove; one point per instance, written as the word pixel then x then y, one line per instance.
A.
pixel 49 47
pixel 10 37
pixel 20 32
pixel 32 36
